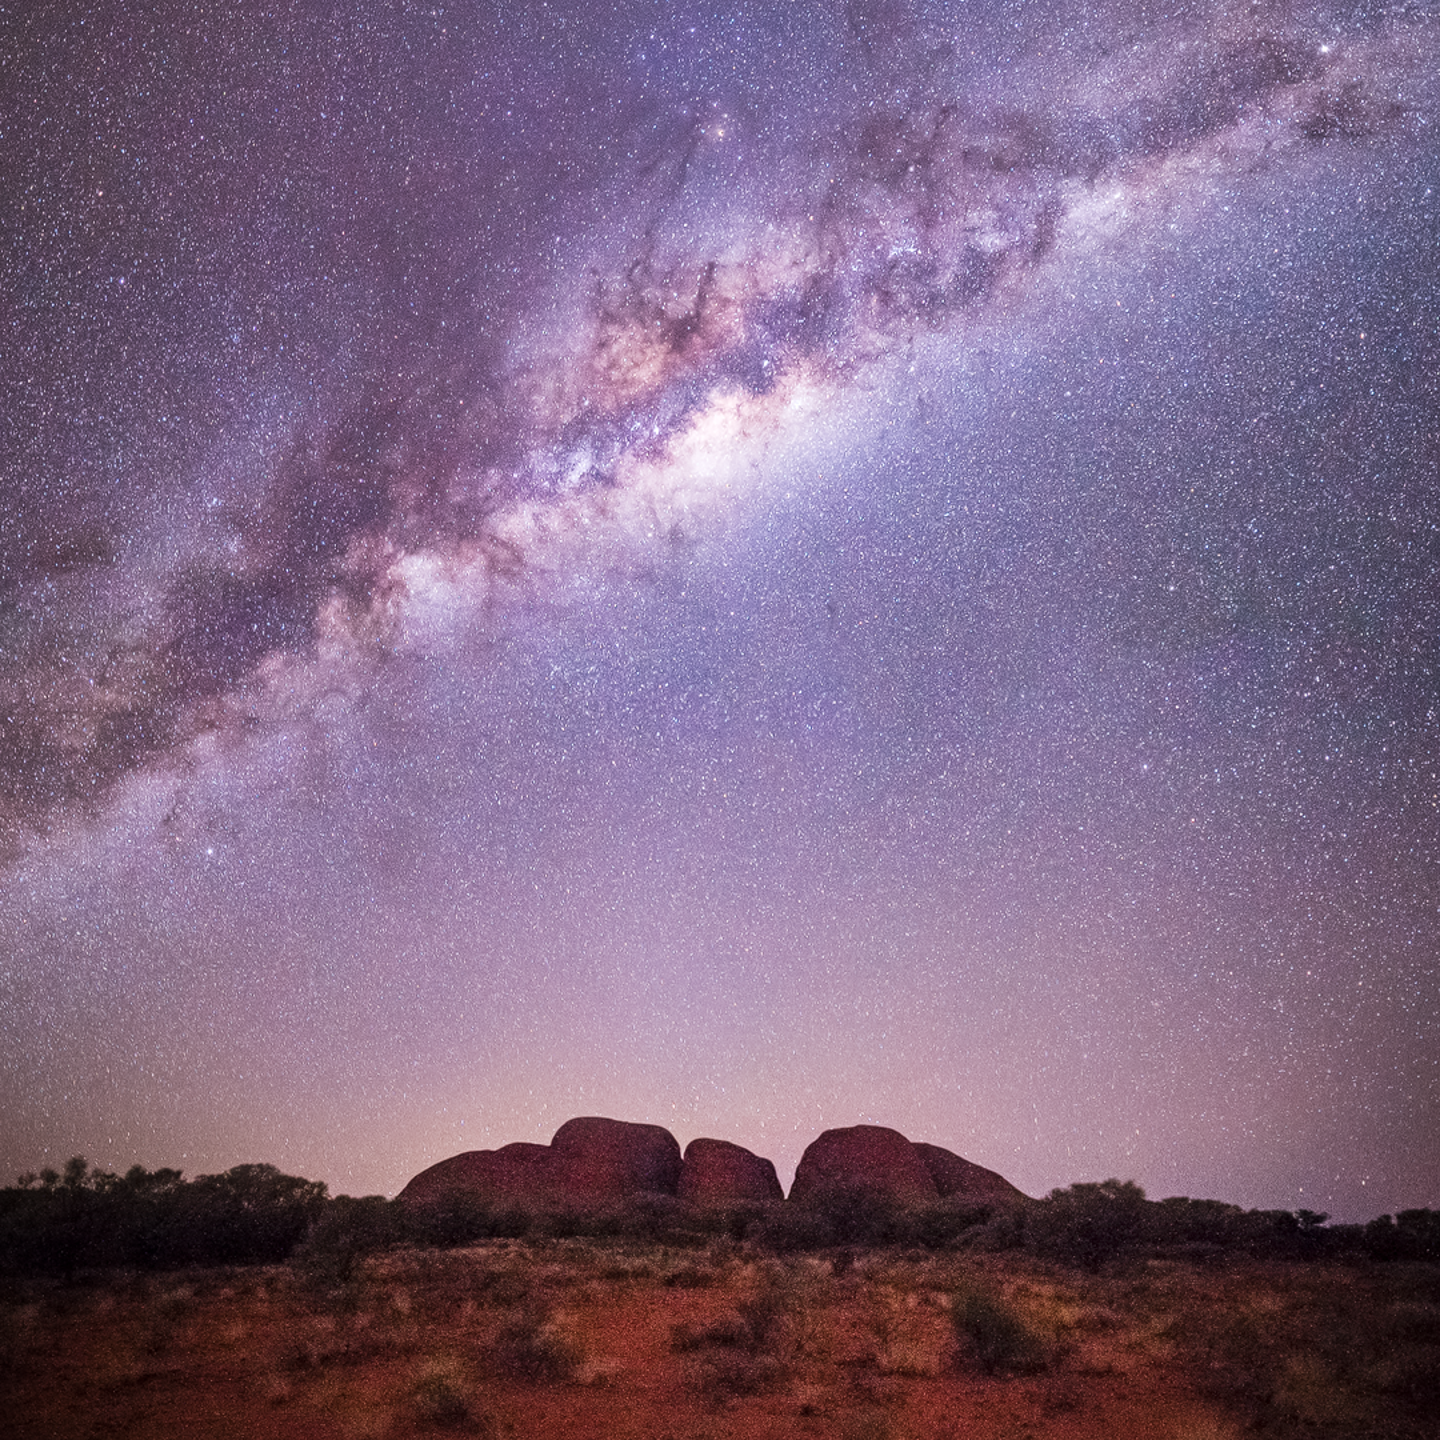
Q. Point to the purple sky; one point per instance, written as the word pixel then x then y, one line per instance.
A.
pixel 750 570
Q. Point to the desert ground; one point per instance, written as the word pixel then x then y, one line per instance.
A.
pixel 640 1341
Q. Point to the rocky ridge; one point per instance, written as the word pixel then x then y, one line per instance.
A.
pixel 596 1161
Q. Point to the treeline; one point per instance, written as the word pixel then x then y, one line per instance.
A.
pixel 88 1219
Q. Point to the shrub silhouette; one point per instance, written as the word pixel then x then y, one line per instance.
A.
pixel 443 1401
pixel 949 1223
pixel 345 1232
pixel 81 1217
pixel 1088 1224
pixel 997 1335
pixel 860 1215
pixel 93 1219
pixel 1410 1235
pixel 532 1349
pixel 784 1228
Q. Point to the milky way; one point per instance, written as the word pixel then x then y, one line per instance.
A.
pixel 816 564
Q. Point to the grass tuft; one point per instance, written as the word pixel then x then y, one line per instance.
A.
pixel 443 1401
pixel 533 1349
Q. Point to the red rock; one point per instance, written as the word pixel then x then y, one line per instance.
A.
pixel 590 1161
pixel 520 1172
pixel 718 1173
pixel 865 1157
pixel 956 1176
pixel 593 1161
pixel 613 1159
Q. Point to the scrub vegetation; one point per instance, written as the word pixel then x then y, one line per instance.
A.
pixel 86 1218
pixel 252 1303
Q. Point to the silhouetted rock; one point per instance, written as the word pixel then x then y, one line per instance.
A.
pixel 520 1172
pixel 593 1162
pixel 590 1161
pixel 956 1176
pixel 863 1157
pixel 601 1159
pixel 718 1173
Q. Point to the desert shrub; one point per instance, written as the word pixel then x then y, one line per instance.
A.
pixel 249 1214
pixel 1374 1352
pixel 345 1233
pixel 443 1401
pixel 1282 1234
pixel 951 1223
pixel 91 1219
pixel 784 1229
pixel 1337 1359
pixel 910 1340
pixel 654 1219
pixel 1004 1230
pixel 458 1219
pixel 744 1352
pixel 767 1321
pixel 1410 1235
pixel 1089 1224
pixel 530 1347
pixel 691 1277
pixel 501 1285
pixel 1182 1222
pixel 766 1315
pixel 1241 1361
pixel 732 1222
pixel 726 1330
pixel 993 1333
pixel 862 1215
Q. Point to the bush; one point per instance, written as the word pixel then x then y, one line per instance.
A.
pixel 728 1330
pixel 460 1219
pixel 997 1336
pixel 731 1374
pixel 951 1223
pixel 1410 1235
pixel 443 1401
pixel 91 1219
pixel 784 1228
pixel 531 1348
pixel 1088 1224
pixel 910 1340
pixel 348 1230
pixel 861 1215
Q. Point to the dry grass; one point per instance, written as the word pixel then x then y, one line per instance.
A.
pixel 625 1342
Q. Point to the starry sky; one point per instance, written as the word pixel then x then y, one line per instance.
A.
pixel 751 568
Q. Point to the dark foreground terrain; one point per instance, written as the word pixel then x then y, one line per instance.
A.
pixel 617 1338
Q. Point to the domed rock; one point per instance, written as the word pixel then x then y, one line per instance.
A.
pixel 863 1157
pixel 520 1172
pixel 598 1159
pixel 954 1175
pixel 719 1173
pixel 589 1161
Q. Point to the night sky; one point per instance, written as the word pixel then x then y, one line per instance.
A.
pixel 748 567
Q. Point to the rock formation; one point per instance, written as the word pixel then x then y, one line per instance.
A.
pixel 717 1173
pixel 590 1161
pixel 863 1157
pixel 593 1161
pixel 963 1178
pixel 613 1159
pixel 518 1172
